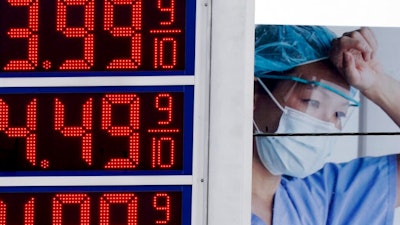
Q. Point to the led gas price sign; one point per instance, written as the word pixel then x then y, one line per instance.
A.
pixel 134 130
pixel 96 205
pixel 96 35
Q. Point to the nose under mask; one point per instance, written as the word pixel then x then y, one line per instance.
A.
pixel 297 156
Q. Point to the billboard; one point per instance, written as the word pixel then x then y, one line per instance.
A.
pixel 326 125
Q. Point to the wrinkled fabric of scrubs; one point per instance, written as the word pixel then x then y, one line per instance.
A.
pixel 362 191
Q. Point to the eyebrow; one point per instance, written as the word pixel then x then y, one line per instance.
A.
pixel 325 92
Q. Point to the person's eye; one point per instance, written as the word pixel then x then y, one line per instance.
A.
pixel 311 102
pixel 340 114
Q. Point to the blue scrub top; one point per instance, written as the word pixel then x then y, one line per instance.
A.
pixel 362 191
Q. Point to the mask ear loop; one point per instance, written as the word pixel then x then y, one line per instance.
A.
pixel 271 95
pixel 258 131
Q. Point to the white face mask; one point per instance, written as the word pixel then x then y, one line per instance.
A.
pixel 297 156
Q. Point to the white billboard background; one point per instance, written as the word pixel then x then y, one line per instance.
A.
pixel 342 16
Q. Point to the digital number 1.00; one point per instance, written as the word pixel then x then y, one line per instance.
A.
pixel 87 208
pixel 161 49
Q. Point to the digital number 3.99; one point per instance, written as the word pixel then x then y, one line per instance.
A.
pixel 86 33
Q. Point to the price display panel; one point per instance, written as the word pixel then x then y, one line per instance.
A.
pixel 96 131
pixel 139 205
pixel 57 37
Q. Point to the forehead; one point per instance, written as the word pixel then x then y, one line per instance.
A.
pixel 321 71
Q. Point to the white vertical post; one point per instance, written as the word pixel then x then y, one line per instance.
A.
pixel 231 110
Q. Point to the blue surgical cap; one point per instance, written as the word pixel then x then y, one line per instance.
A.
pixel 280 48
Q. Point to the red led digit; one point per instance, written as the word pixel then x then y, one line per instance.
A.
pixel 83 200
pixel 157 152
pixel 28 132
pixel 160 52
pixel 170 10
pixel 163 206
pixel 132 31
pixel 30 33
pixel 133 102
pixel 117 198
pixel 84 131
pixel 164 146
pixel 29 212
pixel 85 32
pixel 3 213
pixel 160 101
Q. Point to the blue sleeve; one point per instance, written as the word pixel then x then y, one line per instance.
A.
pixel 255 220
pixel 362 191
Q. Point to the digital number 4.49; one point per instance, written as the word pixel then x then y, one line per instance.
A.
pixel 162 143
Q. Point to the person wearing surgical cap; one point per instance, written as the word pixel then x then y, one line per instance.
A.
pixel 307 81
